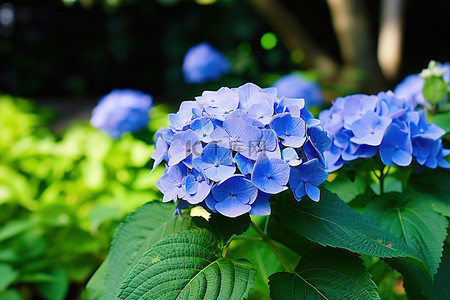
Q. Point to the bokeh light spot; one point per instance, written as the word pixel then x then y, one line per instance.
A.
pixel 269 41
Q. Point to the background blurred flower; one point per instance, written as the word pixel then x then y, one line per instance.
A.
pixel 122 111
pixel 296 86
pixel 204 63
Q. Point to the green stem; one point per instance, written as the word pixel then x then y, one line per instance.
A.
pixel 272 247
pixel 381 178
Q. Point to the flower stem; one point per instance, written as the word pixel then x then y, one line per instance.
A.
pixel 381 178
pixel 272 247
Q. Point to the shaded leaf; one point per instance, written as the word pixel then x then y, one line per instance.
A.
pixel 325 273
pixel 419 286
pixel 224 227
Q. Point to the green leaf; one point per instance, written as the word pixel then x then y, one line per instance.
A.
pixel 7 276
pixel 225 228
pixel 434 89
pixel 410 219
pixel 331 222
pixel 419 286
pixel 135 236
pixel 346 188
pixel 325 273
pixel 443 121
pixel 188 265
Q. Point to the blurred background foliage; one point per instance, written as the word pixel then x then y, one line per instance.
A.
pixel 64 186
pixel 62 196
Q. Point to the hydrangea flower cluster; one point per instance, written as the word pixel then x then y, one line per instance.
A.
pixel 204 63
pixel 411 88
pixel 360 126
pixel 122 111
pixel 231 149
pixel 295 86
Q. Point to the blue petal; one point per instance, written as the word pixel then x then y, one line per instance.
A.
pixel 401 158
pixel 219 173
pixel 211 202
pixel 299 191
pixel 312 191
pixel 318 177
pixel 261 206
pixel 232 208
pixel 244 164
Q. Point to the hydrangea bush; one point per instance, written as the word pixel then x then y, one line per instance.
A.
pixel 230 149
pixel 361 126
pixel 122 111
pixel 204 63
pixel 243 166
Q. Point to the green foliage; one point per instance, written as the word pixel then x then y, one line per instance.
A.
pixel 188 265
pixel 330 222
pixel 410 219
pixel 325 273
pixel 62 196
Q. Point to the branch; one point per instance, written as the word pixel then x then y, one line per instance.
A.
pixel 357 46
pixel 390 38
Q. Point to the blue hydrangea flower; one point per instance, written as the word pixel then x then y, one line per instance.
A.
pixel 360 126
pixel 215 162
pixel 295 86
pixel 305 178
pixel 122 111
pixel 270 175
pixel 173 183
pixel 204 63
pixel 234 196
pixel 230 150
pixel 396 147
pixel 290 129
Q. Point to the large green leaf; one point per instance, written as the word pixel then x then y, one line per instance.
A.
pixel 188 265
pixel 419 286
pixel 411 220
pixel 135 236
pixel 325 273
pixel 331 222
